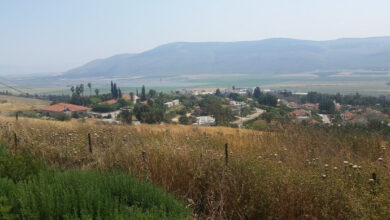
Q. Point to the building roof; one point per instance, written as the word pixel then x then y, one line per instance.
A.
pixel 300 112
pixel 111 101
pixel 292 105
pixel 126 97
pixel 60 107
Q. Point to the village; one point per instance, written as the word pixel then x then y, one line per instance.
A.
pixel 233 107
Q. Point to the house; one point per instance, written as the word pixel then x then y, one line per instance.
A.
pixel 113 114
pixel 168 104
pixel 204 121
pixel 66 108
pixel 311 106
pixel 301 114
pixel 293 105
pixel 176 102
pixel 172 103
pixel 348 116
pixel 237 104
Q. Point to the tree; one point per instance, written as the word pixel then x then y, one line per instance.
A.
pixel 233 87
pixel 114 91
pixel 90 89
pixel 82 89
pixel 125 116
pixel 257 93
pixel 72 89
pixel 143 94
pixel 122 102
pixel 268 99
pixel 218 92
pixel 97 92
pixel 327 106
pixel 183 120
pixel 152 93
pixel 119 93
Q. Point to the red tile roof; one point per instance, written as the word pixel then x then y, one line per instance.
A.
pixel 111 101
pixel 60 107
pixel 300 112
pixel 126 96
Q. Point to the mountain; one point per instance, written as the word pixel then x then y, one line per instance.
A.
pixel 271 56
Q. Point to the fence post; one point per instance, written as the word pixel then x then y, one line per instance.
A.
pixel 144 156
pixel 90 143
pixel 16 116
pixel 15 140
pixel 226 154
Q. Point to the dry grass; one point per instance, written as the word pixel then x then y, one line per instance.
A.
pixel 15 104
pixel 271 175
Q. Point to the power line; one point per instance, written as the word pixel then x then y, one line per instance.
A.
pixel 11 87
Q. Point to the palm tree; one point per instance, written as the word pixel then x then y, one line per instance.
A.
pixel 90 86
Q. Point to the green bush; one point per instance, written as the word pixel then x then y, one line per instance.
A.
pixel 18 168
pixel 104 107
pixel 29 190
pixel 62 117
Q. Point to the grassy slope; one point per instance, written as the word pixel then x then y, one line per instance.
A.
pixel 14 104
pixel 277 175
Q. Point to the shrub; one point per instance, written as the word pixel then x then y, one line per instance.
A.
pixel 104 107
pixel 30 190
pixel 62 117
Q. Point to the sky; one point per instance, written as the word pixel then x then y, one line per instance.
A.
pixel 46 36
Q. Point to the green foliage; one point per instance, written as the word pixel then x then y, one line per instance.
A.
pixel 87 195
pixel 122 102
pixel 95 100
pixel 75 115
pixel 2 101
pixel 61 117
pixel 104 107
pixel 212 105
pixel 218 92
pixel 30 190
pixel 256 124
pixel 149 113
pixel 125 116
pixel 268 99
pixel 18 168
pixel 327 106
pixel 257 93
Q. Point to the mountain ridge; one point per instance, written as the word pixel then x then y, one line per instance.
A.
pixel 269 56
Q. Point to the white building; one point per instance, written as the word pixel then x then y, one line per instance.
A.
pixel 176 102
pixel 205 121
pixel 171 104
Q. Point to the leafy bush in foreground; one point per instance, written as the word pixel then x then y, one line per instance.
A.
pixel 52 194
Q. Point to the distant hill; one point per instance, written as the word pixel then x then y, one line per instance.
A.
pixel 279 55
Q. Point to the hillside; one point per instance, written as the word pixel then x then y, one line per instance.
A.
pixel 295 172
pixel 263 57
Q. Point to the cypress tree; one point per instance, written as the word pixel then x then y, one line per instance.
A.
pixel 143 94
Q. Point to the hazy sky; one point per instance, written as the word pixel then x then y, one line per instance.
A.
pixel 54 35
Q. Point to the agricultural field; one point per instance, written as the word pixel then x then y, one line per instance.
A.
pixel 291 172
pixel 9 104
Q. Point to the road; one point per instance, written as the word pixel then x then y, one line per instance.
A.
pixel 241 120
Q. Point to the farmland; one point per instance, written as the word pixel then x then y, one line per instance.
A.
pixel 294 172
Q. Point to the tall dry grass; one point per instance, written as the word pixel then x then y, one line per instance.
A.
pixel 293 172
